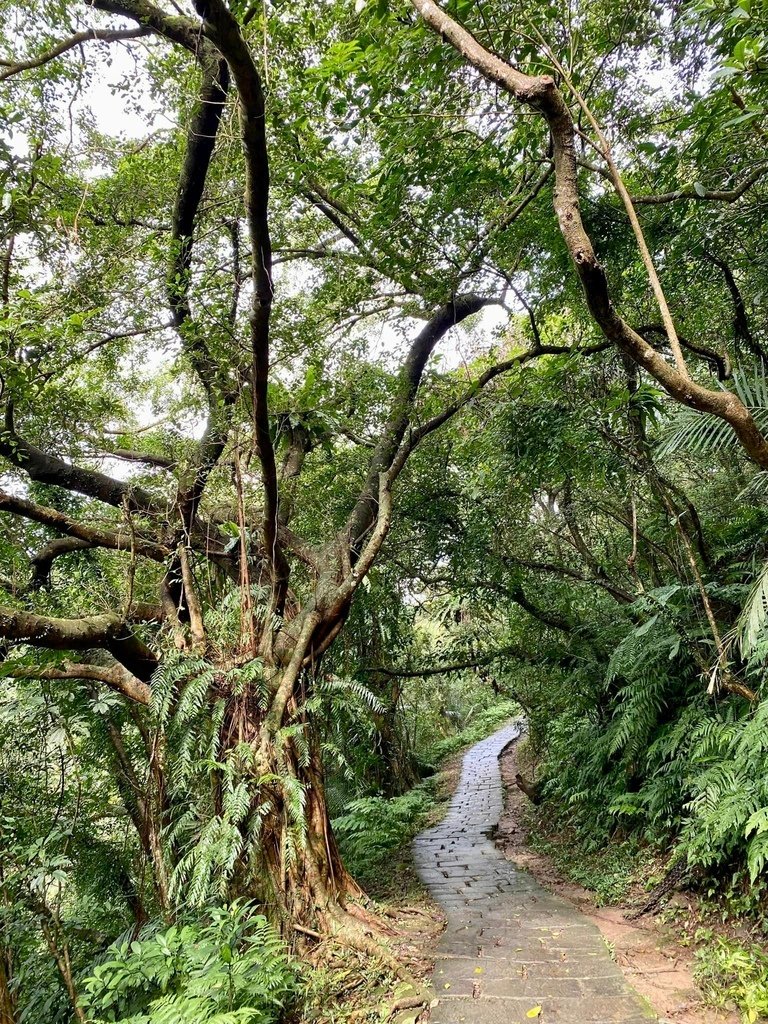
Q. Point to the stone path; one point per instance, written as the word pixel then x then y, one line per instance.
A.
pixel 511 951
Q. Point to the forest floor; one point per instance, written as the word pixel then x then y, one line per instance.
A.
pixel 648 951
pixel 415 915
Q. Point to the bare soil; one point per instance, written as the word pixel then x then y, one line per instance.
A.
pixel 648 953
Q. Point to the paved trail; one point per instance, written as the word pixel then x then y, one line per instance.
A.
pixel 510 946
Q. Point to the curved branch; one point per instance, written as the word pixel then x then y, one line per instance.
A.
pixel 129 455
pixel 89 35
pixel 178 28
pixel 372 547
pixel 510 651
pixel 619 595
pixel 91 536
pixel 542 95
pixel 107 631
pixel 545 615
pixel 221 27
pixel 690 193
pixel 201 141
pixel 415 436
pixel 50 469
pixel 742 332
pixel 721 363
pixel 411 372
pixel 42 561
pixel 116 677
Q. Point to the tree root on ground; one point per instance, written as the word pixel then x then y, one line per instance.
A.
pixel 346 930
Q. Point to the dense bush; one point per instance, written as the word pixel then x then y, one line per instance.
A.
pixel 229 969
pixel 373 826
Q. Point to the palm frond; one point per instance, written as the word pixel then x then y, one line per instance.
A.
pixel 700 432
pixel 752 622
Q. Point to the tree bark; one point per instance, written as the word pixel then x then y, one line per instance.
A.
pixel 541 94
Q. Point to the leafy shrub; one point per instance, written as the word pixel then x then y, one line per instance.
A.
pixel 373 826
pixel 231 969
pixel 650 756
pixel 728 972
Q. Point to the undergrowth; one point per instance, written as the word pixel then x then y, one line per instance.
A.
pixel 731 973
pixel 228 968
pixel 373 827
pixel 609 873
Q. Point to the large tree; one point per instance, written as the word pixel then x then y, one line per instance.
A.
pixel 208 526
pixel 195 414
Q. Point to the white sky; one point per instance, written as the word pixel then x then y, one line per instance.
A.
pixel 114 118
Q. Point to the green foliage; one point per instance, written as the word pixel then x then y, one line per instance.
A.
pixel 608 872
pixel 729 972
pixel 372 827
pixel 480 725
pixel 702 432
pixel 230 968
pixel 556 519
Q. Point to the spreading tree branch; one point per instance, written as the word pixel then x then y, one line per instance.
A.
pixel 540 93
pixel 728 195
pixel 91 536
pixel 107 631
pixel 719 362
pixel 116 677
pixel 50 469
pixel 88 35
pixel 411 372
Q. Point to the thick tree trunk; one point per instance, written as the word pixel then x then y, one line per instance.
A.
pixel 7 998
pixel 300 877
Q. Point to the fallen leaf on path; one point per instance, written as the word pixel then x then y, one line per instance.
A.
pixel 535 1011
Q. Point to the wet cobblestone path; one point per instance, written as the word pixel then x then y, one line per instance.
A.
pixel 512 952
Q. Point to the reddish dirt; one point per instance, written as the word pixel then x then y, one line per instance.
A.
pixel 647 952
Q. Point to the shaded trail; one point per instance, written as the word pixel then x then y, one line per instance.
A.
pixel 510 946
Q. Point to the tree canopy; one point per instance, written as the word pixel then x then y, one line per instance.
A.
pixel 364 365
